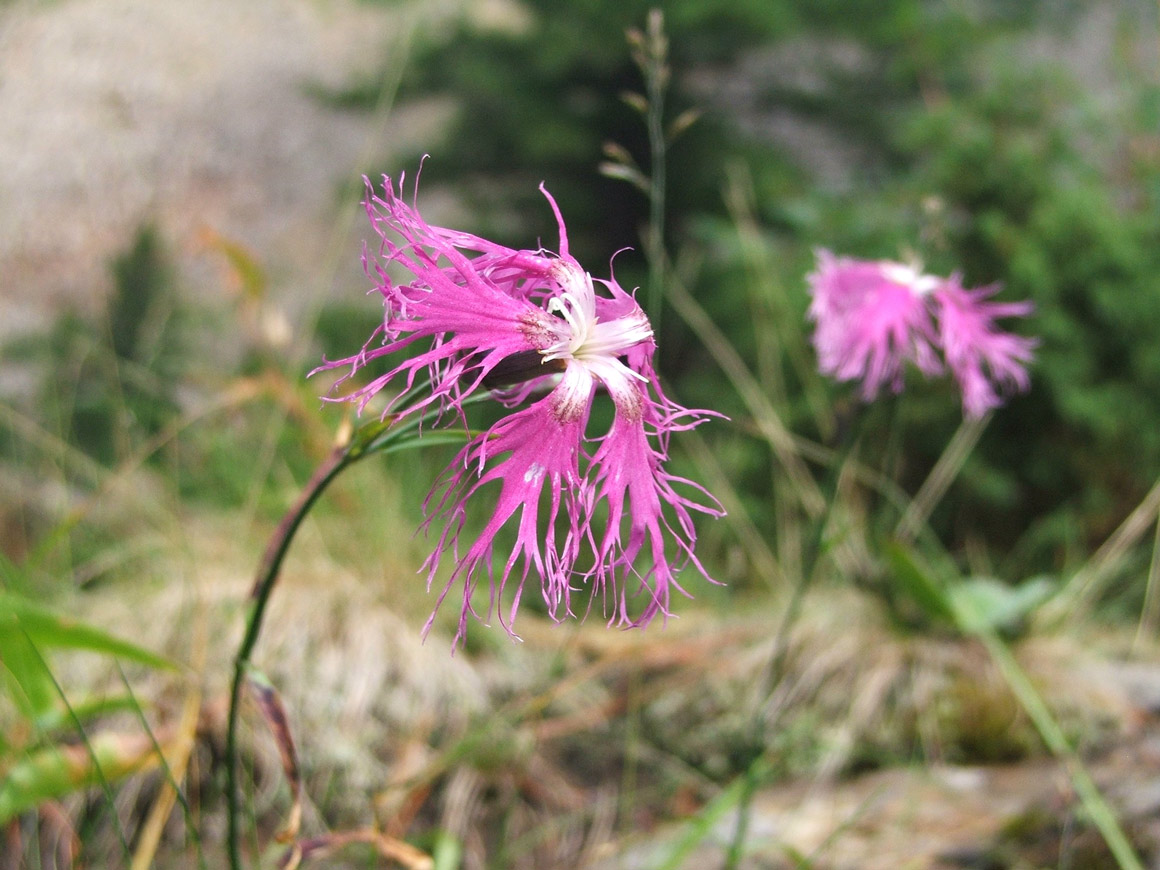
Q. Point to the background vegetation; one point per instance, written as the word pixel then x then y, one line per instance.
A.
pixel 868 607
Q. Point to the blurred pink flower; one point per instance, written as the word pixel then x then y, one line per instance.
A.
pixel 873 316
pixel 970 340
pixel 531 326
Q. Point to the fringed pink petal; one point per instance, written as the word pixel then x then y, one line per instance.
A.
pixel 543 453
pixel 870 321
pixel 631 488
pixel 529 326
pixel 873 316
pixel 986 361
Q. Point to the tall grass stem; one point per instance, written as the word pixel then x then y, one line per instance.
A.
pixel 775 667
pixel 1088 583
pixel 945 470
pixel 768 421
pixel 1150 610
pixel 656 74
pixel 1097 808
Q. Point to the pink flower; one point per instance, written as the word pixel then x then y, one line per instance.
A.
pixel 531 326
pixel 874 316
pixel 970 341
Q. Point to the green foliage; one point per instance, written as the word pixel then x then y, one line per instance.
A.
pixel 538 103
pixel 39 759
pixel 107 384
pixel 977 163
pixel 50 773
pixel 1007 174
pixel 969 605
pixel 1027 204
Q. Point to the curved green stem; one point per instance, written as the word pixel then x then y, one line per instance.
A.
pixel 381 436
pixel 264 583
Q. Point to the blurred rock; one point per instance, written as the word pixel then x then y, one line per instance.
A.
pixel 186 115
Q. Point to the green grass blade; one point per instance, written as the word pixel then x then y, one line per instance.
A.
pixel 919 584
pixel 55 771
pixel 1097 808
pixel 701 825
pixel 20 616
pixel 27 679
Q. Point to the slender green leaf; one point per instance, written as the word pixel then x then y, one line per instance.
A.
pixel 56 771
pixel 22 617
pixel 1098 810
pixel 10 573
pixel 87 710
pixel 448 851
pixel 431 439
pixel 700 826
pixel 26 677
pixel 919 584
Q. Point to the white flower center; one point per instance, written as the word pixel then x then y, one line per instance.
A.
pixel 910 275
pixel 583 338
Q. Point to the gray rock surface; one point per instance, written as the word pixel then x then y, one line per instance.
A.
pixel 191 115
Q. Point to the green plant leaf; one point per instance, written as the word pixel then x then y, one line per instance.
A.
pixel 448 851
pixel 55 771
pixel 86 710
pixel 431 439
pixel 10 573
pixel 919 584
pixel 984 603
pixel 27 678
pixel 379 437
pixel 20 617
